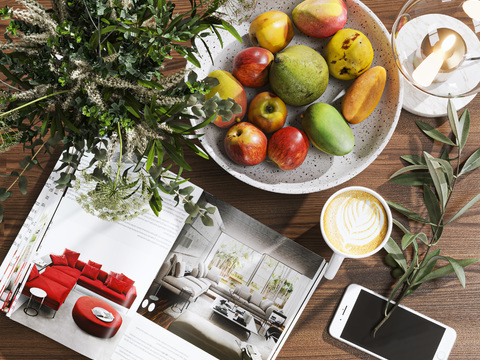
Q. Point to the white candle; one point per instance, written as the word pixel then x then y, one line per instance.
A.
pixel 445 51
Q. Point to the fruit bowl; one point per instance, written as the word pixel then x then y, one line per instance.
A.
pixel 319 171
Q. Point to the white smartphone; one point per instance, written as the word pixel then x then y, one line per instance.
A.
pixel 406 335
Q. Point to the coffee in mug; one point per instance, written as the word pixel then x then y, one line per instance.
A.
pixel 355 222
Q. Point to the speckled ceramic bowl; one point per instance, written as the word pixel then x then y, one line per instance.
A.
pixel 319 171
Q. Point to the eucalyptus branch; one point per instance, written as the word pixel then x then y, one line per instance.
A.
pixel 25 168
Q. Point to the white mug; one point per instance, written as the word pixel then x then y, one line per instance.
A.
pixel 338 256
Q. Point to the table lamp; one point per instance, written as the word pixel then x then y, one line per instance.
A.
pixel 437 49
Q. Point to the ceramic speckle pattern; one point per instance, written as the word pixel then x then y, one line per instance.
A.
pixel 320 171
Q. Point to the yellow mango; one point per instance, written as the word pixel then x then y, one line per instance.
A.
pixel 363 95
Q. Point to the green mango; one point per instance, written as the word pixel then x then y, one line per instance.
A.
pixel 298 75
pixel 327 129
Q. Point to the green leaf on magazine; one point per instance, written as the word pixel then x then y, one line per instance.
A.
pixel 207 220
pixel 430 131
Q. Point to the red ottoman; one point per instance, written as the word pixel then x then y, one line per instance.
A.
pixel 87 321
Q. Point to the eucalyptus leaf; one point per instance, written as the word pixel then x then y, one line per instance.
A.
pixel 22 184
pixel 429 264
pixel 434 133
pixel 402 280
pixel 207 220
pixel 4 194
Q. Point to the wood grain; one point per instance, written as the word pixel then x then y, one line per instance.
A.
pixel 296 216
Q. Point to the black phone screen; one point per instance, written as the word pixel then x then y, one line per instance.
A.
pixel 404 336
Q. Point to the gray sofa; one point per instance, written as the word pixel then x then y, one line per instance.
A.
pixel 252 302
pixel 173 277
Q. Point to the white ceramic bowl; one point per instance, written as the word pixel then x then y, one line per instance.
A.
pixel 319 171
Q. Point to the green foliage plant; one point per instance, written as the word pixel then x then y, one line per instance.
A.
pixel 88 75
pixel 437 178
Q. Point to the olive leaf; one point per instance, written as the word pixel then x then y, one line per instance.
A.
pixel 434 133
pixel 438 184
pixel 472 163
pixel 438 176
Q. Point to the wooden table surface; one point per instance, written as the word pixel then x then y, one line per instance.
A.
pixel 297 217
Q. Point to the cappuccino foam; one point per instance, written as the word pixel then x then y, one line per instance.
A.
pixel 355 222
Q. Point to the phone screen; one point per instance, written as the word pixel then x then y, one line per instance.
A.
pixel 404 336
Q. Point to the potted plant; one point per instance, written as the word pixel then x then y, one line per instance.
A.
pixel 90 76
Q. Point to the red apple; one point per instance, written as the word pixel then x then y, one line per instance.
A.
pixel 246 144
pixel 251 65
pixel 288 148
pixel 267 111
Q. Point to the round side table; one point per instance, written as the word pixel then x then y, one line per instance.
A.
pixel 39 294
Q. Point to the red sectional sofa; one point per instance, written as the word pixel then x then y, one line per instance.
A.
pixel 66 270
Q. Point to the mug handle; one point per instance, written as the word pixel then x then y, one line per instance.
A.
pixel 333 266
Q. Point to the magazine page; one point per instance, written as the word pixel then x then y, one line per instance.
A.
pixel 234 289
pixel 158 288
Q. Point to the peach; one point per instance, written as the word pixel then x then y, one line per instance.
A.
pixel 228 87
pixel 320 18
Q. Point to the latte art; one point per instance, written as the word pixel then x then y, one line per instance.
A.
pixel 355 222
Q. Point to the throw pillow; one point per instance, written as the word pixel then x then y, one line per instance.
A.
pixel 90 271
pixel 79 265
pixel 214 274
pixel 180 269
pixel 94 264
pixel 256 298
pixel 194 272
pixel 72 257
pixel 116 285
pixel 33 273
pixel 59 260
pixel 176 258
pixel 102 276
pixel 201 270
pixel 128 282
pixel 265 304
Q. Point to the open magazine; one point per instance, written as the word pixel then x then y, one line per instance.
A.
pixel 156 287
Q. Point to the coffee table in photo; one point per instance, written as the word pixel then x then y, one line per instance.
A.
pixel 234 314
pixel 38 294
pixel 96 317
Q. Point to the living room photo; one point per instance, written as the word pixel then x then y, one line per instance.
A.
pixel 82 290
pixel 230 289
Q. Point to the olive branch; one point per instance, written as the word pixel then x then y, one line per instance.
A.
pixel 437 177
